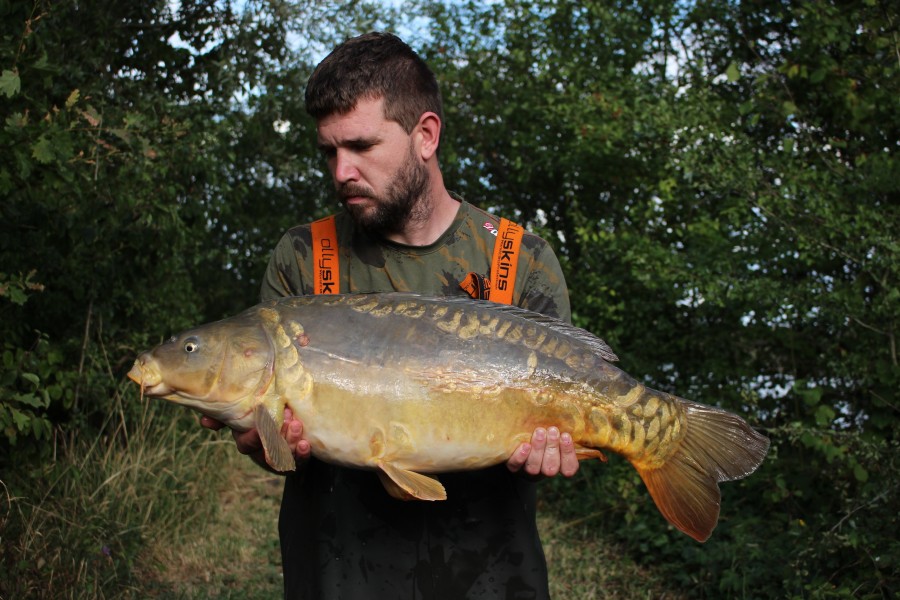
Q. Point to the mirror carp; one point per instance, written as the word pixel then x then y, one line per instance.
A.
pixel 411 386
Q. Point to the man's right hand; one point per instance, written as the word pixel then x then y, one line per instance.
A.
pixel 248 442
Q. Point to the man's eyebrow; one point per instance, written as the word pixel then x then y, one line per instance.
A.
pixel 358 143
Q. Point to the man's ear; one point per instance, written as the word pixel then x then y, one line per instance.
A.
pixel 429 132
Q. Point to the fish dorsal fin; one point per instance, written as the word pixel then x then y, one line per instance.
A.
pixel 278 451
pixel 577 333
pixel 409 485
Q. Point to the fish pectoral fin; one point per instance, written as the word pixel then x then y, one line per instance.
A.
pixel 409 485
pixel 278 451
pixel 585 453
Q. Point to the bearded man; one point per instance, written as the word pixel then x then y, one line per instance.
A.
pixel 379 116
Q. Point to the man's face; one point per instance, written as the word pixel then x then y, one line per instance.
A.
pixel 376 172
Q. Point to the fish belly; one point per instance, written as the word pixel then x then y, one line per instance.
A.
pixel 417 430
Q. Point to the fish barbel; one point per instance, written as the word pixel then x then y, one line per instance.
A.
pixel 411 386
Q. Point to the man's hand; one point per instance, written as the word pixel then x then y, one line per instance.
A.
pixel 248 442
pixel 548 453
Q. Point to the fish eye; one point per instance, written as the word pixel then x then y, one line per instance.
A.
pixel 191 345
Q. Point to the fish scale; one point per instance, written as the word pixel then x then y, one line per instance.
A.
pixel 412 386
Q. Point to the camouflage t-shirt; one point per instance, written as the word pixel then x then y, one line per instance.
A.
pixel 370 265
pixel 342 535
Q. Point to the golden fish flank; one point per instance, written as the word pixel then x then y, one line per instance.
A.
pixel 410 386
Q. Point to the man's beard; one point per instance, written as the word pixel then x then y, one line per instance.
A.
pixel 404 200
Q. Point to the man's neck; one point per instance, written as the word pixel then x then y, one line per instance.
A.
pixel 428 228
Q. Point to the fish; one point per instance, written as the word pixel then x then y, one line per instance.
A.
pixel 411 386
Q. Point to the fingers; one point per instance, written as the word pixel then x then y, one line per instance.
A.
pixel 247 442
pixel 548 454
pixel 210 423
pixel 544 452
pixel 568 459
pixel 292 430
pixel 302 450
pixel 519 457
pixel 548 464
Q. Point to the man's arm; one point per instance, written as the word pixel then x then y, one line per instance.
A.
pixel 544 287
pixel 283 275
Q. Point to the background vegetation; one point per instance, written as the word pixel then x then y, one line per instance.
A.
pixel 720 180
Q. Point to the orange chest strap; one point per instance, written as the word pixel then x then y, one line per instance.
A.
pixel 500 285
pixel 326 266
pixel 505 262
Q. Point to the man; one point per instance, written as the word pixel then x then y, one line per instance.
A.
pixel 379 117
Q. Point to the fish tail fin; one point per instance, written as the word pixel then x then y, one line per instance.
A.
pixel 717 446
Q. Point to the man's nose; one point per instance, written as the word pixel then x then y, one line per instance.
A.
pixel 344 167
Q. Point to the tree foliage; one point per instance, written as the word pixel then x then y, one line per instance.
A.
pixel 721 181
pixel 719 178
pixel 134 189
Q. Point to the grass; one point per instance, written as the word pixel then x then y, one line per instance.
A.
pixel 235 552
pixel 156 507
pixel 585 566
pixel 75 525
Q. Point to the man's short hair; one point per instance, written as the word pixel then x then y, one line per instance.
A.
pixel 371 66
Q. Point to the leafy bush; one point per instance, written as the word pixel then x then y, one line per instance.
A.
pixel 27 385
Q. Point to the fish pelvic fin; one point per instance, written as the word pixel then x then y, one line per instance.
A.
pixel 277 450
pixel 717 446
pixel 585 453
pixel 409 485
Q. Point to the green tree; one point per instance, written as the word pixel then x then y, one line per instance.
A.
pixel 720 180
pixel 143 177
pixel 151 154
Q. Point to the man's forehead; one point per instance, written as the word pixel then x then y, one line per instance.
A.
pixel 363 121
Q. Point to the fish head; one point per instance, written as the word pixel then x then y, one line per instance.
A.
pixel 218 368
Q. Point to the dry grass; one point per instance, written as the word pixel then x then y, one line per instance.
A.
pixel 234 552
pixel 74 526
pixel 584 566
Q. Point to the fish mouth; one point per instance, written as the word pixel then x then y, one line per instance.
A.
pixel 148 378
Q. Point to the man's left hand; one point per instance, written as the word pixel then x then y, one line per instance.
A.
pixel 548 454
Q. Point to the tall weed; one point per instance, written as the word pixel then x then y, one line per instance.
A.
pixel 77 525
